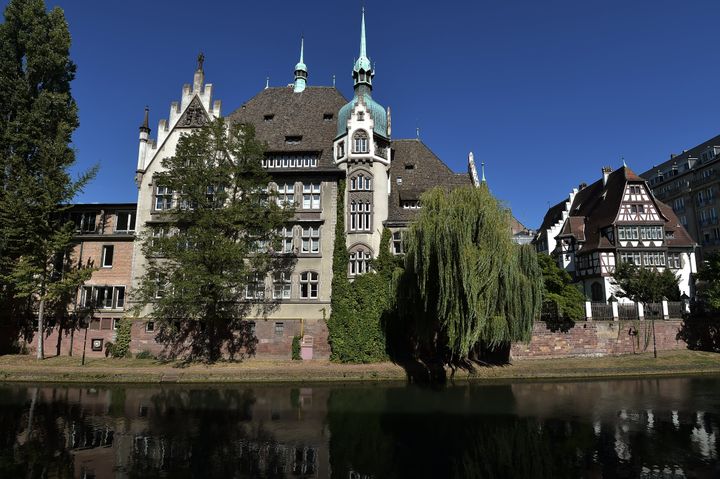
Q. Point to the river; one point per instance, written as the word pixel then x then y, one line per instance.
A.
pixel 659 427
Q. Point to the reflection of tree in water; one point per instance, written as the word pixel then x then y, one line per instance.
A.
pixel 382 432
pixel 206 433
pixel 33 441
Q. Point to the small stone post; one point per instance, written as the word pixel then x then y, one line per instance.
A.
pixel 588 311
pixel 665 308
pixel 641 311
pixel 615 310
pixel 685 303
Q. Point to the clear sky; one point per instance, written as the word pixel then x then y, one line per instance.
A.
pixel 545 92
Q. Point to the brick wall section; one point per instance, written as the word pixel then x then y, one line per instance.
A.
pixel 599 338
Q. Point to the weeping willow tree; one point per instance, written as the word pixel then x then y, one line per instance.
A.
pixel 467 286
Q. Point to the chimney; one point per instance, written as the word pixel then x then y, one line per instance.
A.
pixel 582 186
pixel 606 170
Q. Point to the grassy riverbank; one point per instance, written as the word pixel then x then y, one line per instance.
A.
pixel 66 369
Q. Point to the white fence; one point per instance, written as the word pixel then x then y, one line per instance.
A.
pixel 616 311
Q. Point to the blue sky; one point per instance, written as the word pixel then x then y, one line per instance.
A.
pixel 545 92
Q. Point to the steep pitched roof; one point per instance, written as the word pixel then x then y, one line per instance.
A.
pixel 693 152
pixel 301 114
pixel 419 170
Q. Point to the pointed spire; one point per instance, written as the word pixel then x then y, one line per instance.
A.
pixel 267 82
pixel 363 49
pixel 145 128
pixel 623 160
pixel 482 170
pixel 333 81
pixel 199 77
pixel 200 61
pixel 301 72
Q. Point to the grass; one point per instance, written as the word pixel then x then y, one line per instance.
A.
pixel 67 369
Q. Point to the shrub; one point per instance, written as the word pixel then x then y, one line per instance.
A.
pixel 296 348
pixel 121 349
pixel 145 354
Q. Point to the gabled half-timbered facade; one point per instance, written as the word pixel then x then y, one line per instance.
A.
pixel 616 219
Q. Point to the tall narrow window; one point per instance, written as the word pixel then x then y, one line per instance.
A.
pixel 359 261
pixel 287 234
pixel 397 243
pixel 311 240
pixel 255 289
pixel 311 196
pixel 360 142
pixel 286 195
pixel 163 198
pixel 309 285
pixel 107 256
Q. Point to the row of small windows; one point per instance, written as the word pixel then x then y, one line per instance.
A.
pixel 309 284
pixel 269 118
pixel 410 204
pixel 652 258
pixel 360 262
pixel 285 160
pixel 309 240
pixel 360 183
pixel 640 232
pixel 635 189
pixel 87 222
pixel 165 199
pixel 360 216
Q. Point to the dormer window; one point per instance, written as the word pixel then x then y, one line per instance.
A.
pixel 360 142
pixel 327 117
pixel 293 140
pixel 268 118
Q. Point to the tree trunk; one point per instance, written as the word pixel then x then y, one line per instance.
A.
pixel 654 343
pixel 41 329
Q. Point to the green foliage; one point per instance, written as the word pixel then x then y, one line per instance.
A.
pixel 558 290
pixel 225 229
pixel 466 284
pixel 296 348
pixel 145 354
pixel 122 341
pixel 645 285
pixel 355 324
pixel 709 276
pixel 38 118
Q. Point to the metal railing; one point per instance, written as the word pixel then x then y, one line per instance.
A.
pixel 601 311
pixel 627 311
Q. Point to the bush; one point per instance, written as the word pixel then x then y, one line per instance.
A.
pixel 145 354
pixel 121 349
pixel 296 348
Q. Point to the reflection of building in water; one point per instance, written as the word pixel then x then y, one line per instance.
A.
pixel 124 431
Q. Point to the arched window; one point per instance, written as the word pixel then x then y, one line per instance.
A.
pixel 596 291
pixel 359 263
pixel 361 182
pixel 360 142
pixel 360 216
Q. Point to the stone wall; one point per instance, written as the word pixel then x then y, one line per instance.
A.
pixel 599 338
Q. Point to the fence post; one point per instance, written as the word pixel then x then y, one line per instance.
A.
pixel 665 309
pixel 685 303
pixel 615 309
pixel 588 311
pixel 640 311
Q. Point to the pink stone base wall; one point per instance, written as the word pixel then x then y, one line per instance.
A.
pixel 271 345
pixel 599 338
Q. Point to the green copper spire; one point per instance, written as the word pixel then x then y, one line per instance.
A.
pixel 363 71
pixel 301 72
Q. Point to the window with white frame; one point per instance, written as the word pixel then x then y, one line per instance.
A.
pixel 108 251
pixel 309 285
pixel 281 285
pixel 255 288
pixel 360 142
pixel 310 240
pixel 158 232
pixel 124 221
pixel 341 149
pixel 84 222
pixel 359 261
pixel 103 297
pixel 632 257
pixel 291 160
pixel 653 258
pixel 360 216
pixel 286 195
pixel 311 196
pixel 674 261
pixel 651 232
pixel 397 243
pixel 361 182
pixel 287 240
pixel 163 198
pixel 628 233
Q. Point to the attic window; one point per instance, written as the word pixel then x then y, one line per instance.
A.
pixel 398 180
pixel 669 234
pixel 293 140
pixel 327 117
pixel 409 166
pixel 268 118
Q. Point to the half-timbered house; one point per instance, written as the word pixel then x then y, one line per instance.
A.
pixel 615 219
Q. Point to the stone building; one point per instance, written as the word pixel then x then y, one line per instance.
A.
pixel 315 137
pixel 615 219
pixel 690 184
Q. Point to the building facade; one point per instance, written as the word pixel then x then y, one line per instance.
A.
pixel 689 182
pixel 615 219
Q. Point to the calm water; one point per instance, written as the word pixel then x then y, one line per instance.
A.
pixel 625 428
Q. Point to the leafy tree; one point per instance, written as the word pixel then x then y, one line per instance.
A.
pixel 467 286
pixel 559 292
pixel 646 285
pixel 37 118
pixel 225 230
pixel 709 274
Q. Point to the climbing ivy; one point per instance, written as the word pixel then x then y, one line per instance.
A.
pixel 121 348
pixel 355 330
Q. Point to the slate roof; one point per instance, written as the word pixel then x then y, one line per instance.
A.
pixel 427 172
pixel 295 114
pixel 596 206
pixel 693 152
